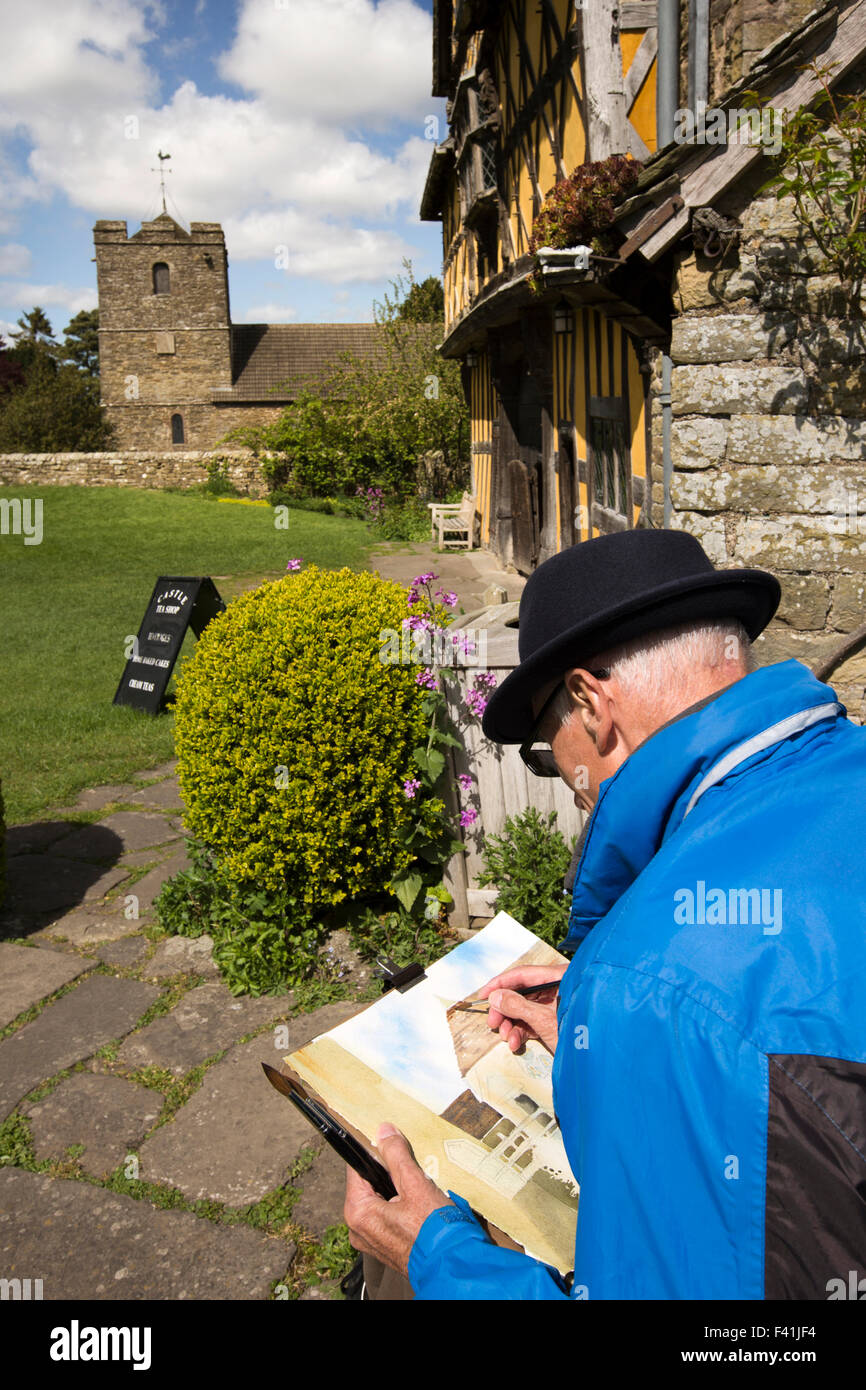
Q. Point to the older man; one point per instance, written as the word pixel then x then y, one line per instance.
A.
pixel 709 1034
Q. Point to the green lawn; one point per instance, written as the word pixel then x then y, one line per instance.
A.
pixel 69 604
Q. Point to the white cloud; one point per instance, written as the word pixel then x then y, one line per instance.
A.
pixel 6 331
pixel 285 162
pixel 342 61
pixel 331 251
pixel 25 295
pixel 14 259
pixel 270 313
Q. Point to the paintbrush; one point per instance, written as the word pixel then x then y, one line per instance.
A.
pixel 478 1006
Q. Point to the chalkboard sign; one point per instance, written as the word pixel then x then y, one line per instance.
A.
pixel 175 605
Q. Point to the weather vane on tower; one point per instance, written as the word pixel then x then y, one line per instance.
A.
pixel 162 172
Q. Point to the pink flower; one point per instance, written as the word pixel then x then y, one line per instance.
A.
pixel 410 787
pixel 468 817
pixel 427 679
pixel 465 781
pixel 449 598
pixel 424 579
pixel 293 565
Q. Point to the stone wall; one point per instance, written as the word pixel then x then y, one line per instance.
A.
pixel 738 31
pixel 769 431
pixel 141 468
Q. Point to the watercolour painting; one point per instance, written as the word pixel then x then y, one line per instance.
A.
pixel 479 1117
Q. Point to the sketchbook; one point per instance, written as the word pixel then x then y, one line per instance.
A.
pixel 479 1117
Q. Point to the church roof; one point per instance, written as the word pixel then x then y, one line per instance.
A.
pixel 290 356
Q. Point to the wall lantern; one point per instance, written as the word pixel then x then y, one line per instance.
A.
pixel 471 358
pixel 563 318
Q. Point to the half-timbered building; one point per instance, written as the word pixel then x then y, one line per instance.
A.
pixel 556 369
pixel 559 349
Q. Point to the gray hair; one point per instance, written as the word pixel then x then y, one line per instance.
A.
pixel 660 667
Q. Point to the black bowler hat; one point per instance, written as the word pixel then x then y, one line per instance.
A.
pixel 608 590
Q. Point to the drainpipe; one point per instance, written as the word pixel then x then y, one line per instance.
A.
pixel 666 104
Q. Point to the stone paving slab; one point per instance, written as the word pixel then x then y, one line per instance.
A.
pixel 94 798
pixel 101 1008
pixel 33 838
pixel 162 794
pixel 86 926
pixel 41 884
pixel 205 1021
pixel 28 975
pixel 164 770
pixel 148 888
pixel 127 951
pixel 467 572
pixel 86 1243
pixel 181 954
pixel 107 1114
pixel 235 1137
pixel 133 829
pixel 323 1192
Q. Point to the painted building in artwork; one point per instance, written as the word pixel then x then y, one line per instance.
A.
pixel 510 1136
pixel 175 372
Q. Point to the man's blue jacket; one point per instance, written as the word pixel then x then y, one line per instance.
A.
pixel 710 1074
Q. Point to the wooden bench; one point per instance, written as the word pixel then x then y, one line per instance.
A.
pixel 457 519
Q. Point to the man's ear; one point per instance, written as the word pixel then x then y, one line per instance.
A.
pixel 591 704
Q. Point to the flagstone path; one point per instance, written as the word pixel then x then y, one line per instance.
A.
pixel 142 1152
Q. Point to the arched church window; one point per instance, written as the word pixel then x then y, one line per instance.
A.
pixel 177 429
pixel 161 279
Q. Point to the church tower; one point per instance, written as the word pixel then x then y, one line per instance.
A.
pixel 164 332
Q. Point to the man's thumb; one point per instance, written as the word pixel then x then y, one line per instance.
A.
pixel 396 1151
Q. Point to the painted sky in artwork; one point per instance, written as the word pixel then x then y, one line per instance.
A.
pixel 405 1037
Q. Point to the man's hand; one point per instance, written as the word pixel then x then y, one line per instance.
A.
pixel 389 1229
pixel 517 1018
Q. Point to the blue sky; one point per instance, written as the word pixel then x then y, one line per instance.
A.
pixel 301 125
pixel 406 1037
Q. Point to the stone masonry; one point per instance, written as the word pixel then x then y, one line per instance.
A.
pixel 161 352
pixel 136 468
pixel 769 430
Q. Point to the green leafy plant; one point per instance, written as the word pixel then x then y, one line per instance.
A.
pixel 262 942
pixel 219 483
pixel 528 863
pixel 402 937
pixel 822 166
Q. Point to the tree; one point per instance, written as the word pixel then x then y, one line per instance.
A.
pixel 369 420
pixel 48 405
pixel 57 410
pixel 34 327
pixel 425 303
pixel 11 373
pixel 81 341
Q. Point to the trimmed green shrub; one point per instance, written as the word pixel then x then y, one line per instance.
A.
pixel 294 739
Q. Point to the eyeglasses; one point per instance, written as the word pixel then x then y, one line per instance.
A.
pixel 540 761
